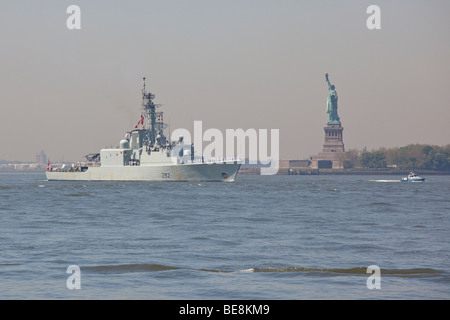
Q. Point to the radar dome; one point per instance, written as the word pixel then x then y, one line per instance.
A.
pixel 124 144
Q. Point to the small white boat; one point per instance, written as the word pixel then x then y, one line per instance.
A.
pixel 412 177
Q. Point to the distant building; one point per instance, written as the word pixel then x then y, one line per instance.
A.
pixel 41 158
pixel 287 164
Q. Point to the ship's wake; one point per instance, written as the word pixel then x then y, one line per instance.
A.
pixel 138 268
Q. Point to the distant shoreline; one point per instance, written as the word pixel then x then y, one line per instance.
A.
pixel 306 171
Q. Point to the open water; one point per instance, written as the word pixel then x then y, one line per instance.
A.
pixel 260 237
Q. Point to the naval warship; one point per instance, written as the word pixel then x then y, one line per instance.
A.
pixel 146 154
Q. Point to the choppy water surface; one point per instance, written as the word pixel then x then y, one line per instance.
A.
pixel 260 237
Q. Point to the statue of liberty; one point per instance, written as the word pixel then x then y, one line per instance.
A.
pixel 332 103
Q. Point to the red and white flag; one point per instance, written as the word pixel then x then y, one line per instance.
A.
pixel 140 122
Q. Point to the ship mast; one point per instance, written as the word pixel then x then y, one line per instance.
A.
pixel 154 124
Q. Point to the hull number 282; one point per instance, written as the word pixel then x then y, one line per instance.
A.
pixel 165 175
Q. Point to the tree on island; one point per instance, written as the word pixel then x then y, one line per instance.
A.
pixel 410 157
pixel 373 160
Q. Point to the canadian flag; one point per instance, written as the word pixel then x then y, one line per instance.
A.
pixel 48 165
pixel 140 122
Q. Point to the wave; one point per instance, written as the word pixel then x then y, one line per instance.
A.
pixel 357 270
pixel 125 268
pixel 79 194
pixel 380 203
pixel 130 268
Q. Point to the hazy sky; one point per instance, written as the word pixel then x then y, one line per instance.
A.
pixel 232 64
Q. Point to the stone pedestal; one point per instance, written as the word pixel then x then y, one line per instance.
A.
pixel 333 148
pixel 333 138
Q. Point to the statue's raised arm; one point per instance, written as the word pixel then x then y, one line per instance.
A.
pixel 328 81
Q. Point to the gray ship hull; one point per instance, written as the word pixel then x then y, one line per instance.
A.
pixel 170 172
